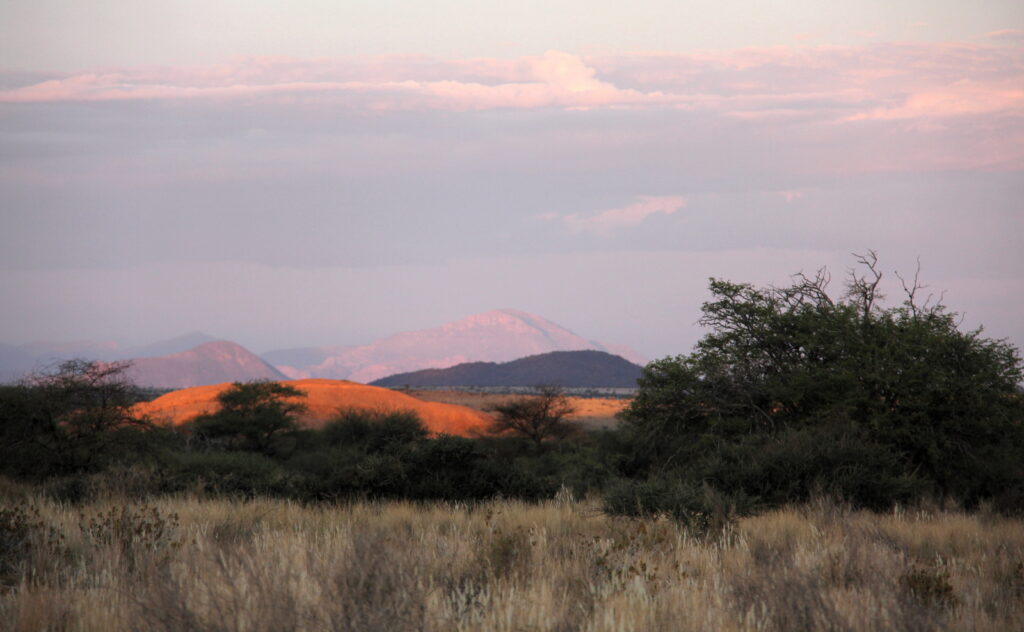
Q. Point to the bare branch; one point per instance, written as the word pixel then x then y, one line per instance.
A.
pixel 864 288
pixel 806 290
pixel 911 290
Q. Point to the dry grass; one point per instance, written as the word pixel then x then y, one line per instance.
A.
pixel 591 412
pixel 275 565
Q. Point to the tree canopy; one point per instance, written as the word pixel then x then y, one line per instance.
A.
pixel 793 389
pixel 538 418
pixel 73 418
pixel 252 416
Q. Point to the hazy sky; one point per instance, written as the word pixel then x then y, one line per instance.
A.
pixel 287 174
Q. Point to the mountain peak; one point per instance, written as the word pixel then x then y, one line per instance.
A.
pixel 498 335
pixel 512 319
pixel 208 363
pixel 219 347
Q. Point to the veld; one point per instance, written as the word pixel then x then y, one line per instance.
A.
pixel 189 563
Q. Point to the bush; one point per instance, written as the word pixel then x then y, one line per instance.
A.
pixel 581 466
pixel 794 465
pixel 455 468
pixel 537 418
pixel 74 419
pixel 374 431
pixel 794 391
pixel 230 473
pixel 701 508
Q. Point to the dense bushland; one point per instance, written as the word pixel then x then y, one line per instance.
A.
pixel 252 446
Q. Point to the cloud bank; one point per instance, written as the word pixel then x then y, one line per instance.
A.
pixel 883 81
pixel 611 220
pixel 344 190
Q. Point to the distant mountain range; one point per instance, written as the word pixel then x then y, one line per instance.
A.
pixel 495 336
pixel 559 368
pixel 197 359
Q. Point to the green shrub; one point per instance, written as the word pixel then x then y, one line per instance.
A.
pixel 793 391
pixel 255 416
pixel 230 473
pixel 374 430
pixel 701 508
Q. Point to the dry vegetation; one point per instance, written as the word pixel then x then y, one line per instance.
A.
pixel 209 564
pixel 591 412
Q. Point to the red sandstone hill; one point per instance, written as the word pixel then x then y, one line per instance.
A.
pixel 323 399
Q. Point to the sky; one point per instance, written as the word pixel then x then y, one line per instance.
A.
pixel 303 173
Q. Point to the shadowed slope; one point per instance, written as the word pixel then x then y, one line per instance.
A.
pixel 323 400
pixel 561 368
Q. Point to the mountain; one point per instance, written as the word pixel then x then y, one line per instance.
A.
pixel 560 368
pixel 323 400
pixel 306 356
pixel 208 363
pixel 495 336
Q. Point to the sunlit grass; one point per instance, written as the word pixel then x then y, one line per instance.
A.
pixel 277 565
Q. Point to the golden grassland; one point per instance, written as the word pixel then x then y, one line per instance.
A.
pixel 590 412
pixel 189 563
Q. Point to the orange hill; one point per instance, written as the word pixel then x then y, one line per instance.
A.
pixel 323 399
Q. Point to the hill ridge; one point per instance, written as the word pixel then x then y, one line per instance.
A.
pixel 581 368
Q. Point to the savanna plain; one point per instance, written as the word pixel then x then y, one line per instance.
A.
pixel 814 464
pixel 195 563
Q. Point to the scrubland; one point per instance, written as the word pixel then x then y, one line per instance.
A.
pixel 193 563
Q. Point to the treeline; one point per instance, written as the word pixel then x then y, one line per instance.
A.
pixel 793 393
pixel 72 432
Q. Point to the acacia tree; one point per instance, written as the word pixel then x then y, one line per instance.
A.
pixel 537 418
pixel 66 420
pixel 798 388
pixel 252 416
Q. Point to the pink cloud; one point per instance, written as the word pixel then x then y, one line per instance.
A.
pixel 1010 35
pixel 960 98
pixel 554 79
pixel 608 221
pixel 837 85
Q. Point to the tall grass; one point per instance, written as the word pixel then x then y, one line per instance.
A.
pixel 195 564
